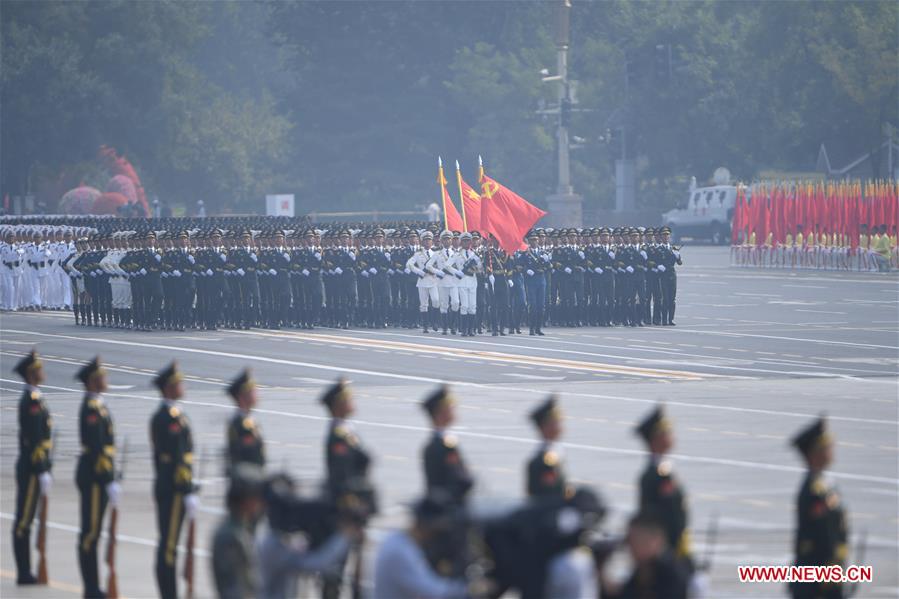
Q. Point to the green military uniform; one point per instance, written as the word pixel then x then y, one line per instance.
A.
pixel 821 533
pixel 244 437
pixel 445 470
pixel 172 460
pixel 35 443
pixel 95 470
pixel 545 474
pixel 661 494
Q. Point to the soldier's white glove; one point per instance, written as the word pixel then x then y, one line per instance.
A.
pixel 492 279
pixel 176 272
pixel 390 271
pixel 440 275
pixel 352 255
pixel 547 258
pixel 286 256
pixel 611 254
pixel 164 275
pixel 408 271
pixel 530 272
pixel 305 272
pixel 93 273
pixel 661 268
pixel 581 254
pixel 597 270
pixel 191 259
pixel 677 254
pixel 45 479
pixel 191 503
pixel 158 257
pixel 241 272
pixel 223 257
pixel 643 253
pixel 698 586
pixel 113 492
pixel 143 271
pixel 373 270
pixel 338 271
pixel 387 255
pixel 272 271
pixel 253 257
pixel 317 255
pixel 364 273
pixel 630 269
pixel 511 284
pixel 567 270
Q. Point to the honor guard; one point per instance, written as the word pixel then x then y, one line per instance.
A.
pixel 544 471
pixel 534 263
pixel 95 473
pixel 174 488
pixel 33 464
pixel 660 491
pixel 445 470
pixel 821 531
pixel 244 438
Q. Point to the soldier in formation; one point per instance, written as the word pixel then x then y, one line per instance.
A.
pixel 185 276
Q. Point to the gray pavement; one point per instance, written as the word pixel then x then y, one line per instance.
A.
pixel 756 354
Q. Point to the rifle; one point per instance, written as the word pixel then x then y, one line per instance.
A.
pixel 42 576
pixel 191 539
pixel 112 583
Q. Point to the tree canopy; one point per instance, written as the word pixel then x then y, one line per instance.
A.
pixel 348 104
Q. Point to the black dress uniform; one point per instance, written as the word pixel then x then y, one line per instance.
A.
pixel 661 495
pixel 172 460
pixel 245 443
pixel 821 534
pixel 95 470
pixel 545 475
pixel 35 443
pixel 445 470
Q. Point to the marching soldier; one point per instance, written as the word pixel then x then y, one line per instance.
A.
pixel 545 476
pixel 244 438
pixel 445 470
pixel 346 461
pixel 821 531
pixel 95 474
pixel 426 284
pixel 33 478
pixel 660 492
pixel 151 269
pixel 495 266
pixel 469 264
pixel 174 489
pixel 534 263
pixel 669 258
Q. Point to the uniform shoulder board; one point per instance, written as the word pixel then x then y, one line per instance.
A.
pixel 340 431
pixel 248 423
pixel 550 458
pixel 664 468
pixel 93 404
pixel 35 395
pixel 819 487
pixel 450 441
pixel 174 412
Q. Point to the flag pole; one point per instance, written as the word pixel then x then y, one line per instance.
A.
pixel 461 197
pixel 440 182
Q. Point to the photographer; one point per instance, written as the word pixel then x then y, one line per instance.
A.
pixel 656 571
pixel 233 553
pixel 284 554
pixel 401 566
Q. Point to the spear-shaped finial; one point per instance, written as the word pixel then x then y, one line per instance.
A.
pixel 480 161
pixel 457 165
pixel 440 162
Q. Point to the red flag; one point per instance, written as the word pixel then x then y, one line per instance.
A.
pixel 507 215
pixel 451 219
pixel 737 223
pixel 471 204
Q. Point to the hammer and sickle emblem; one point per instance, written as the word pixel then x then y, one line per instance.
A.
pixel 490 188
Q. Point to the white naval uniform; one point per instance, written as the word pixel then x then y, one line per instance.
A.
pixel 427 281
pixel 468 285
pixel 448 284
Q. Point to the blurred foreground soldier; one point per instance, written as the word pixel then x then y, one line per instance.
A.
pixel 285 553
pixel 821 532
pixel 402 570
pixel 95 474
pixel 347 464
pixel 660 492
pixel 657 574
pixel 234 563
pixel 445 470
pixel 544 471
pixel 173 488
pixel 33 465
pixel 244 438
